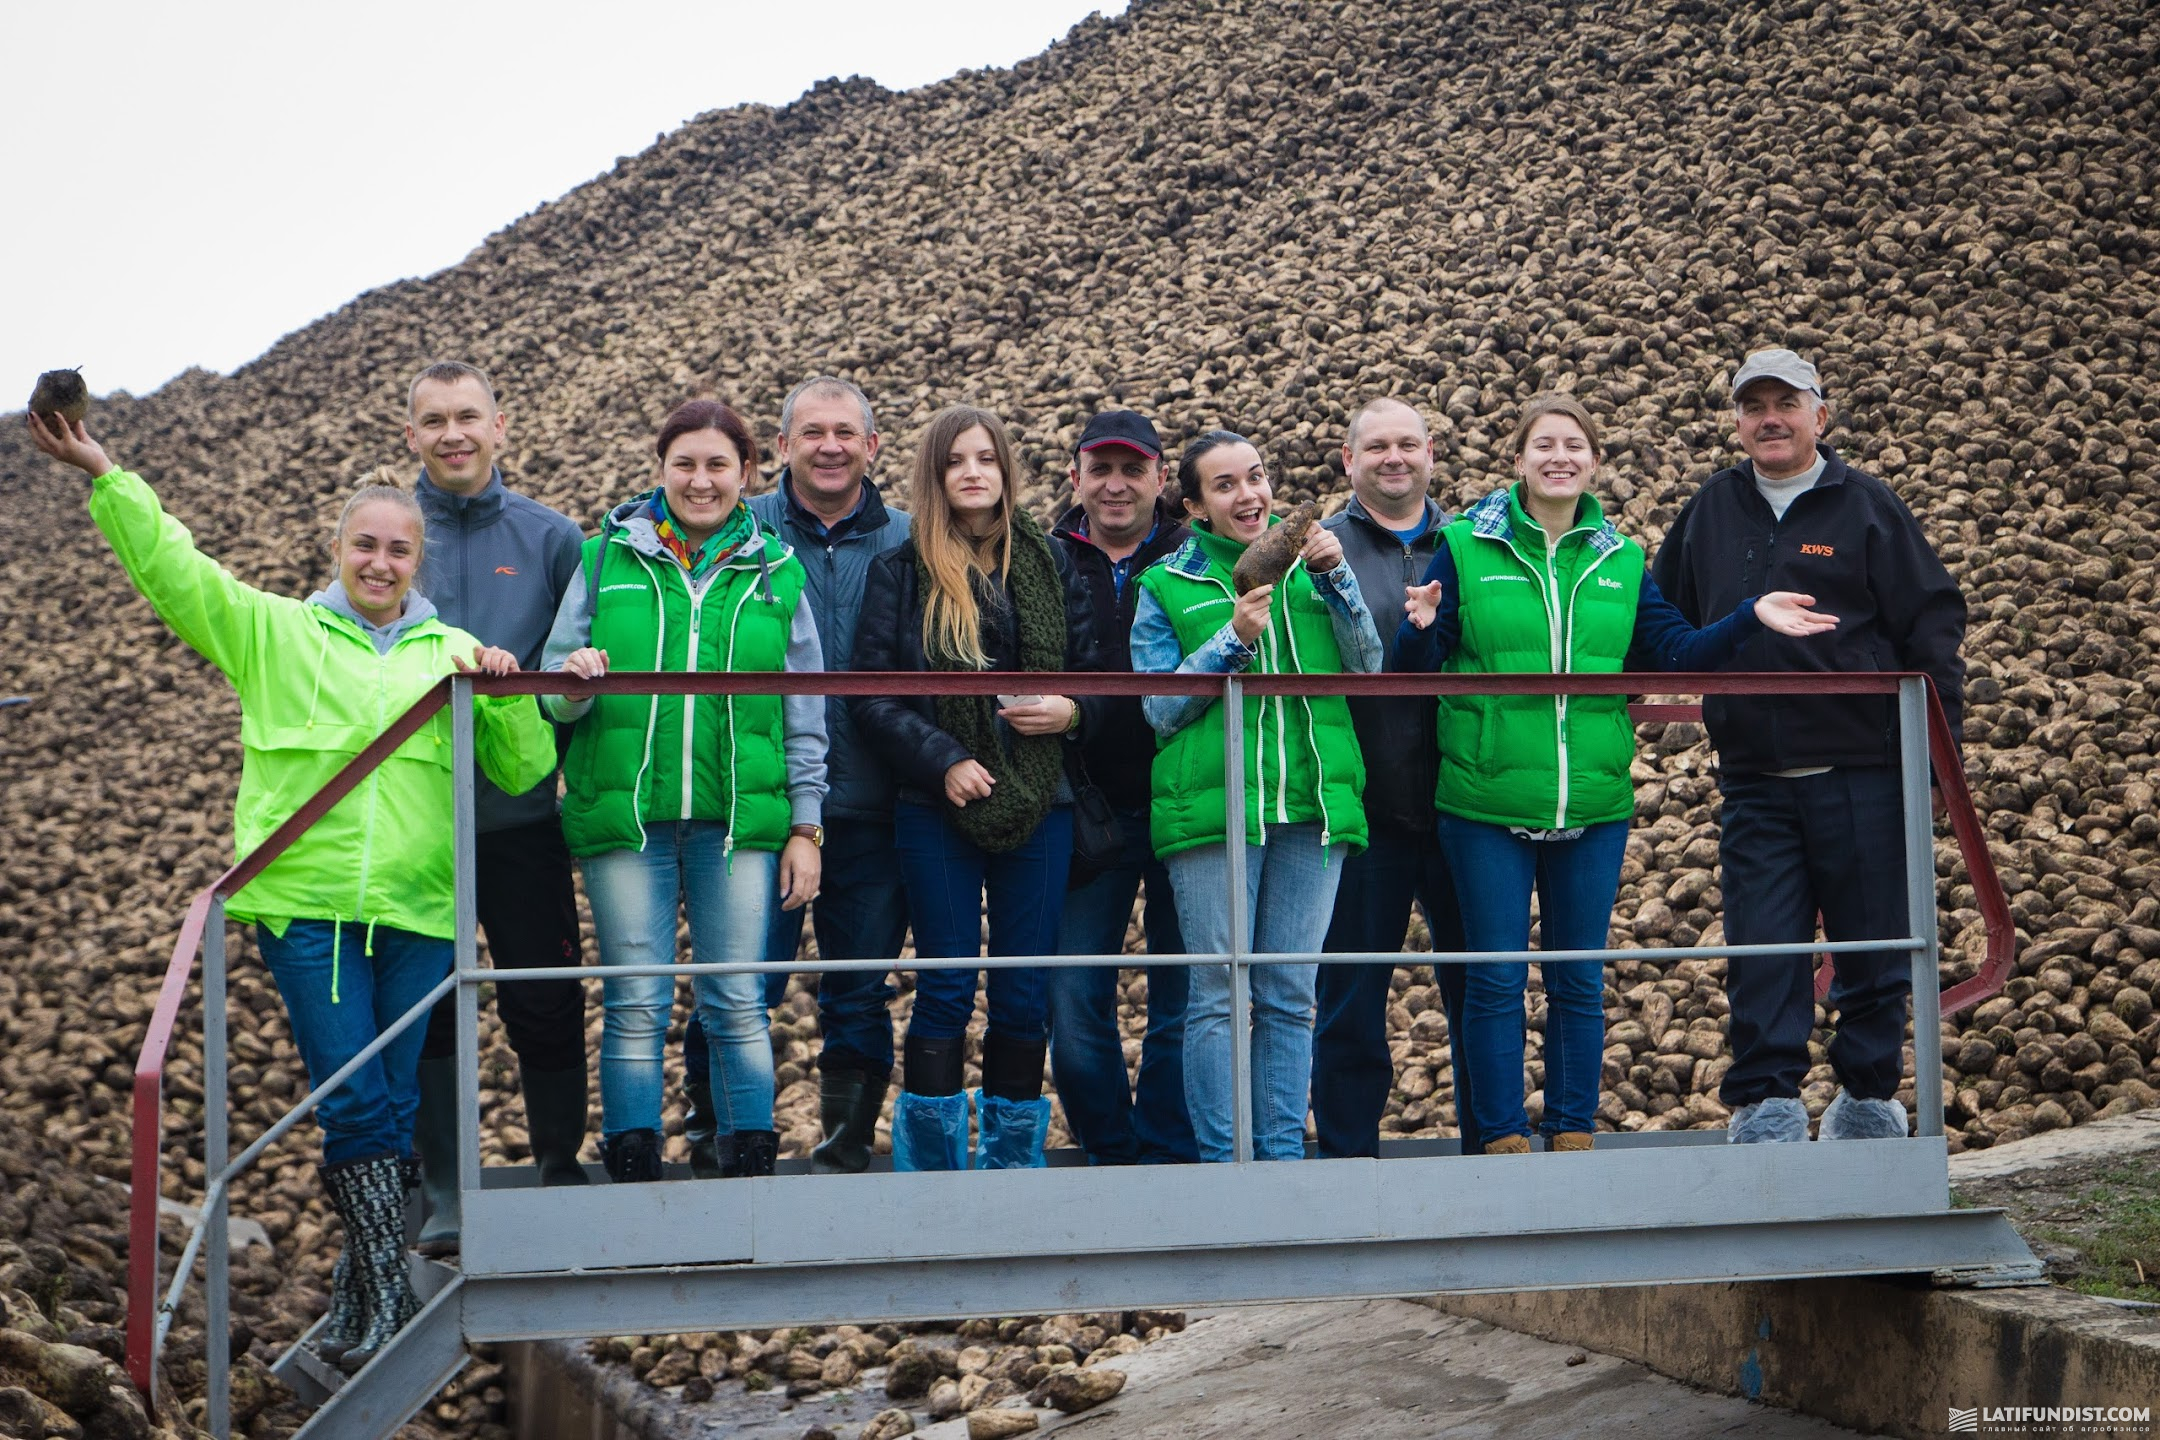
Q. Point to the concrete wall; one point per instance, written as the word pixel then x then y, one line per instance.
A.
pixel 1878 1355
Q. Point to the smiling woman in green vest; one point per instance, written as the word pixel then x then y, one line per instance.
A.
pixel 355 919
pixel 1534 790
pixel 1304 779
pixel 708 802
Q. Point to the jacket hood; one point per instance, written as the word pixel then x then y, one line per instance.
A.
pixel 478 508
pixel 418 611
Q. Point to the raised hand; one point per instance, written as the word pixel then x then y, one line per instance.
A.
pixel 1250 616
pixel 1421 603
pixel 69 443
pixel 1323 550
pixel 1790 613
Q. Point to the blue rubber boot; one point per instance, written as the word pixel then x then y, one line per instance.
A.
pixel 1013 1132
pixel 1779 1120
pixel 1851 1118
pixel 930 1132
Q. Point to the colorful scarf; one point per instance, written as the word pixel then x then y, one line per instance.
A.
pixel 734 532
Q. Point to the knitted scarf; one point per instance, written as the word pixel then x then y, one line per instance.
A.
pixel 737 528
pixel 1027 767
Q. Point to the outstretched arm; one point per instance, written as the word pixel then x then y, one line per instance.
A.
pixel 205 606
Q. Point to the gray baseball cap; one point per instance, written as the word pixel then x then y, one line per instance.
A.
pixel 1782 365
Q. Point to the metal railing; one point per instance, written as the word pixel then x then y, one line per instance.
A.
pixel 1925 741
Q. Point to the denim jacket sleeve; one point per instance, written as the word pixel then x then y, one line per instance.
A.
pixel 1155 650
pixel 1355 634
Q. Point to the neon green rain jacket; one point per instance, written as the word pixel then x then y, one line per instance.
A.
pixel 313 694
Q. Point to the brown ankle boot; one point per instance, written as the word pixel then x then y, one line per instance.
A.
pixel 1508 1145
pixel 1571 1140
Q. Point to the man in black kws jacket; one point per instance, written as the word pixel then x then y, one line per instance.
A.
pixel 1812 816
pixel 1388 531
pixel 1118 527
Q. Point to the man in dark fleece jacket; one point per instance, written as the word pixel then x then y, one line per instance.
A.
pixel 496 563
pixel 1119 526
pixel 1388 532
pixel 1812 812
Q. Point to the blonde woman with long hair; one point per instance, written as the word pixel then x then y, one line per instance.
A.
pixel 984 807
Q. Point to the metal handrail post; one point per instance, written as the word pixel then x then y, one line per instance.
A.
pixel 1241 1146
pixel 1919 816
pixel 465 873
pixel 217 1328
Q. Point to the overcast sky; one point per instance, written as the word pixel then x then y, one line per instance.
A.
pixel 193 181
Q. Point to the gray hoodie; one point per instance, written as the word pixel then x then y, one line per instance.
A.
pixel 417 608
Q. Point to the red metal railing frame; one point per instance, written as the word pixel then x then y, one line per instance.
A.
pixel 148 1106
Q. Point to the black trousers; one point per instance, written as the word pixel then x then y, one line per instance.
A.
pixel 1353 1070
pixel 1791 846
pixel 529 910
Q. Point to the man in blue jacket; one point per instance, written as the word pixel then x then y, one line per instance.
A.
pixel 496 563
pixel 1388 531
pixel 1812 803
pixel 826 508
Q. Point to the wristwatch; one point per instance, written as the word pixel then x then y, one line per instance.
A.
pixel 815 834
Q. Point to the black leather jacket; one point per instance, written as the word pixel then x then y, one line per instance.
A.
pixel 903 729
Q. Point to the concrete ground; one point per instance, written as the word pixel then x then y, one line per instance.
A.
pixel 1395 1370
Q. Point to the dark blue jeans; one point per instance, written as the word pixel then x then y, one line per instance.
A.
pixel 1353 1069
pixel 860 914
pixel 1790 847
pixel 1576 881
pixel 1116 1121
pixel 342 987
pixel 948 876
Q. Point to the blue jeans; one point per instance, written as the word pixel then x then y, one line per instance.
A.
pixel 861 914
pixel 1118 1122
pixel 1575 882
pixel 635 896
pixel 1791 846
pixel 947 877
pixel 1353 1068
pixel 1289 892
pixel 342 986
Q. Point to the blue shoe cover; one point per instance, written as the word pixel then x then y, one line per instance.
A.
pixel 1778 1120
pixel 930 1132
pixel 1013 1132
pixel 1851 1118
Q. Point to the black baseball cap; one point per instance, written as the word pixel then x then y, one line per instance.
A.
pixel 1121 427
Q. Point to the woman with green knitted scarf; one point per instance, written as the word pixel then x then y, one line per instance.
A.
pixel 983 804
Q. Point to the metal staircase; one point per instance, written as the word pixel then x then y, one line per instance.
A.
pixel 685 1255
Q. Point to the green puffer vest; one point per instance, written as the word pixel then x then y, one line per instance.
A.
pixel 1545 762
pixel 1302 761
pixel 646 759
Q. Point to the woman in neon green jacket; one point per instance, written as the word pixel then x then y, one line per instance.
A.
pixel 355 920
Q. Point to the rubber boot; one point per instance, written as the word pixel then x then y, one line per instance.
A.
pixel 930 1119
pixel 727 1154
pixel 555 1119
pixel 849 1103
pixel 698 1127
pixel 435 1137
pixel 757 1152
pixel 346 1320
pixel 1014 1113
pixel 372 1193
pixel 632 1156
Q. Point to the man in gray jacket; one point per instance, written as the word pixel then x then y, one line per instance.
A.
pixel 1388 532
pixel 827 509
pixel 496 563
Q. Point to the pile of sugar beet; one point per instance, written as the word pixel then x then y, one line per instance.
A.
pixel 1253 215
